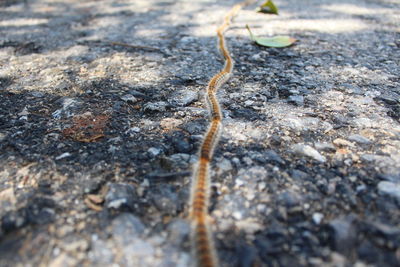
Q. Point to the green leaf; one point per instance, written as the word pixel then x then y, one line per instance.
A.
pixel 276 41
pixel 268 7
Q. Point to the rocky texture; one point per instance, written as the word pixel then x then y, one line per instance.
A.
pixel 102 112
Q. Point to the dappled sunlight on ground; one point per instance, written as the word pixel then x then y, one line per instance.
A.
pixel 23 22
pixel 352 9
pixel 103 101
pixel 332 26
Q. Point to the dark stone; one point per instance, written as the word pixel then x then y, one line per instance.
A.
pixel 339 121
pixel 271 242
pixel 368 252
pixel 247 114
pixel 298 175
pixel 12 221
pixel 64 86
pixel 180 142
pixel 388 234
pixel 5 82
pixel 272 156
pixel 387 99
pixel 41 216
pixel 195 127
pixel 127 226
pixel 298 100
pixel 40 210
pixel 178 231
pixel 344 235
pixel 392 177
pixel 284 91
pixel 137 94
pixel 92 185
pixel 290 198
pixel 44 187
pixel 182 81
pixel 166 200
pixel 121 196
pixel 22 49
pixel 6 3
pixel 276 140
pixel 246 255
pixel 170 176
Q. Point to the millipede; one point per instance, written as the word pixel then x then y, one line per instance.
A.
pixel 201 236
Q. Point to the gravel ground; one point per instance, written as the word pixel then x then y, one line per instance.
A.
pixel 97 138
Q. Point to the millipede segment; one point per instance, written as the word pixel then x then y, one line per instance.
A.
pixel 201 236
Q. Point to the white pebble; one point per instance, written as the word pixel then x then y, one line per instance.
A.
pixel 306 150
pixel 317 217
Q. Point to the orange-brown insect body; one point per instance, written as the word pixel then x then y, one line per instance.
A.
pixel 202 242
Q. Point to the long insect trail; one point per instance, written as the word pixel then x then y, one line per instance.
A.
pixel 201 235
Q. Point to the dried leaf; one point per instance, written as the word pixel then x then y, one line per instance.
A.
pixel 268 7
pixel 92 205
pixel 276 41
pixel 97 199
pixel 87 127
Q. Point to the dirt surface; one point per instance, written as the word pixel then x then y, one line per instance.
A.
pixel 97 137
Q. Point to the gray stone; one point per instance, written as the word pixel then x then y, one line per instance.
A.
pixel 389 189
pixel 290 198
pixel 363 122
pixel 299 175
pixel 359 139
pixel 390 231
pixel 121 196
pixel 383 160
pixel 224 166
pixel 272 156
pixel 391 177
pixel 344 234
pixel 126 227
pixel 137 94
pixel 129 98
pixel 136 250
pixel 133 130
pixel 186 98
pixel 296 99
pixel 180 160
pixel 181 143
pixel 69 107
pixel 178 231
pixel 100 254
pixel 155 106
pixel 326 147
pixel 317 217
pixel 306 150
pixel 154 151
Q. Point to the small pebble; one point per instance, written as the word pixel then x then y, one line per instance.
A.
pixel 156 106
pixel 317 217
pixel 129 98
pixel 359 139
pixel 186 98
pixel 326 147
pixel 237 215
pixel 342 142
pixel 296 99
pixel 306 150
pixel 154 151
pixel 390 189
pixel 63 155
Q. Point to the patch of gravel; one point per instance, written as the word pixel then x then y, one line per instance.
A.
pixel 97 138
